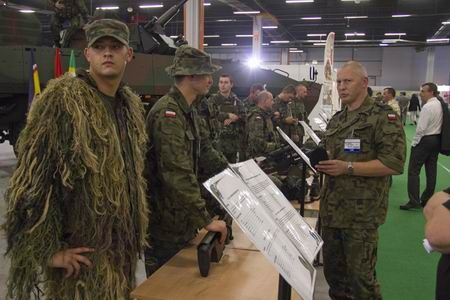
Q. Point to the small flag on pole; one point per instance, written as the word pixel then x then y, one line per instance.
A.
pixel 58 66
pixel 34 86
pixel 72 66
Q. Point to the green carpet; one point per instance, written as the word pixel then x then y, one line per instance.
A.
pixel 404 269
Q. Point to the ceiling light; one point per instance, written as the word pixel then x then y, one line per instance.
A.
pixel 438 40
pixel 229 44
pixel 311 18
pixel 27 11
pixel 265 44
pixel 249 12
pixel 313 41
pixel 296 51
pixel 212 36
pixel 400 16
pixel 253 62
pixel 383 45
pixel 151 6
pixel 244 35
pixel 107 7
pixel 299 1
pixel 270 27
pixel 279 42
pixel 389 41
pixel 394 33
pixel 355 34
pixel 206 4
pixel 316 34
pixel 226 20
pixel 173 36
pixel 446 23
pixel 356 1
pixel 205 45
pixel 353 41
pixel 319 44
pixel 356 17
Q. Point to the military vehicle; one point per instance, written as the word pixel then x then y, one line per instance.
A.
pixel 20 33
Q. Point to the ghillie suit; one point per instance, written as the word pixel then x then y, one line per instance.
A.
pixel 78 183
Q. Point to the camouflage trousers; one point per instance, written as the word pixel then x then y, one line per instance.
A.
pixel 159 253
pixel 349 259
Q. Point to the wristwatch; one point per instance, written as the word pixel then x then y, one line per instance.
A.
pixel 350 168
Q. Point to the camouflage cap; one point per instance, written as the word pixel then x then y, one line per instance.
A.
pixel 191 61
pixel 107 27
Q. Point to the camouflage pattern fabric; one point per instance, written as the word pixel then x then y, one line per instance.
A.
pixel 350 267
pixel 107 27
pixel 230 137
pixel 290 109
pixel 191 61
pixel 74 12
pixel 261 136
pixel 175 148
pixel 208 112
pixel 248 104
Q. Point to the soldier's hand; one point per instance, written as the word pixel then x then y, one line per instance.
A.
pixel 218 226
pixel 332 167
pixel 233 117
pixel 291 120
pixel 296 138
pixel 70 260
pixel 227 122
pixel 59 4
pixel 276 115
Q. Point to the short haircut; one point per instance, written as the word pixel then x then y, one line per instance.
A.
pixel 390 91
pixel 403 93
pixel 289 89
pixel 262 96
pixel 256 87
pixel 226 76
pixel 302 84
pixel 432 87
pixel 357 67
pixel 369 91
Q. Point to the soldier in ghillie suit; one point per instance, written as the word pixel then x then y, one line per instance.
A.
pixel 72 12
pixel 77 210
pixel 231 120
pixel 178 148
pixel 366 144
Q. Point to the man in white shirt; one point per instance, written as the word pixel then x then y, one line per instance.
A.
pixel 425 148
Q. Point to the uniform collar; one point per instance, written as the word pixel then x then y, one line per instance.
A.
pixel 86 77
pixel 364 108
pixel 176 94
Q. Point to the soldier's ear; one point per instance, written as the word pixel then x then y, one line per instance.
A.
pixel 130 53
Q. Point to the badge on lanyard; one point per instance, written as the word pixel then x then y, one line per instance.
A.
pixel 352 145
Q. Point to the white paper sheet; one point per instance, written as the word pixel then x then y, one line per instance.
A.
pixel 310 132
pixel 248 212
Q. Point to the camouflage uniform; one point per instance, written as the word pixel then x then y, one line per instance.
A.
pixel 290 109
pixel 177 141
pixel 75 12
pixel 261 136
pixel 230 138
pixel 208 112
pixel 248 104
pixel 353 207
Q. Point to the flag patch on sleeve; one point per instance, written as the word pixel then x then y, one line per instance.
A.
pixel 258 118
pixel 170 114
pixel 392 117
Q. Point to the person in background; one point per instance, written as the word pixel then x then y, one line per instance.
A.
pixel 389 99
pixel 403 102
pixel 437 233
pixel 249 102
pixel 414 108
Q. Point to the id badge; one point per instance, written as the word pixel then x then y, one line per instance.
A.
pixel 352 145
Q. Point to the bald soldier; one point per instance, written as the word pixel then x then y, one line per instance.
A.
pixel 176 141
pixel 366 144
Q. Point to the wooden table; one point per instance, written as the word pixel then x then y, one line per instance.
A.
pixel 241 274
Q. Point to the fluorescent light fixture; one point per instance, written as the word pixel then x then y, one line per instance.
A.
pixel 314 41
pixel 173 36
pixel 394 33
pixel 296 51
pixel 400 16
pixel 355 34
pixel 319 44
pixel 248 12
pixel 151 6
pixel 270 27
pixel 438 40
pixel 316 34
pixel 356 17
pixel 212 36
pixel 226 20
pixel 311 18
pixel 229 44
pixel 107 7
pixel 279 42
pixel 299 1
pixel 265 44
pixel 27 11
pixel 244 35
pixel 389 41
pixel 383 45
pixel 205 45
pixel 206 4
pixel 356 1
pixel 446 23
pixel 353 41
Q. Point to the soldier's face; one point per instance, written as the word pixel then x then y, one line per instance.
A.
pixel 387 96
pixel 268 103
pixel 225 85
pixel 351 85
pixel 108 58
pixel 302 92
pixel 201 84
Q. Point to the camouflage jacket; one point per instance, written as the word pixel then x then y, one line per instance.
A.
pixel 248 104
pixel 224 106
pixel 178 147
pixel 72 8
pixel 261 135
pixel 289 109
pixel 357 201
pixel 208 111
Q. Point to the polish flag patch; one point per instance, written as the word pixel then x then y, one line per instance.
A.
pixel 170 114
pixel 258 118
pixel 392 117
